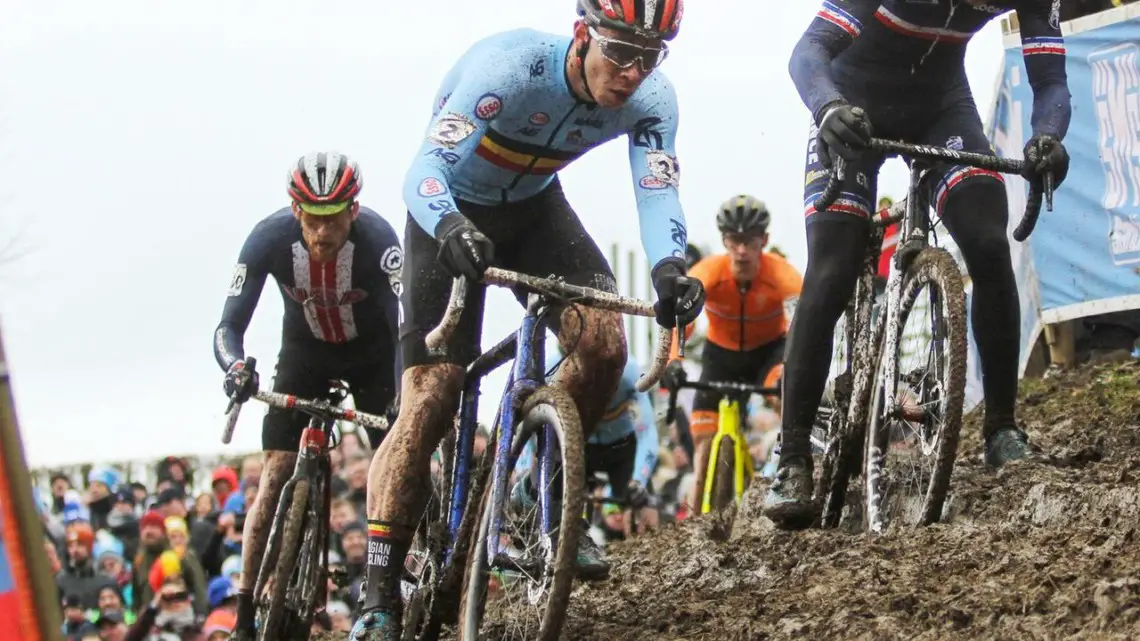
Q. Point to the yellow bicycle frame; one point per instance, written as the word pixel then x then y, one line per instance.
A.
pixel 728 426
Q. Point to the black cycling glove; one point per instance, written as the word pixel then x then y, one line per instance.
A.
pixel 241 381
pixel 1044 153
pixel 679 298
pixel 843 131
pixel 463 250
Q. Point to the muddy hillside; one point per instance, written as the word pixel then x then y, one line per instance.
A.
pixel 1042 550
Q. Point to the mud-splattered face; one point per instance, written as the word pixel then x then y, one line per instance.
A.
pixel 616 63
pixel 324 235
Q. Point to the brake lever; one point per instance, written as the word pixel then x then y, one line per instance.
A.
pixel 680 336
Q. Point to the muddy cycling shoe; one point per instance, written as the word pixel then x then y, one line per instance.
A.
pixel 1005 445
pixel 590 563
pixel 377 626
pixel 788 503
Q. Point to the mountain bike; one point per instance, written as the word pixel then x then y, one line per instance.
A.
pixel 899 426
pixel 292 581
pixel 532 554
pixel 730 468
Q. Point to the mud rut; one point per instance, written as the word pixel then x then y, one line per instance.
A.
pixel 1041 550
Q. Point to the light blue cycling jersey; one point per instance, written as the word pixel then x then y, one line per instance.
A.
pixel 505 121
pixel 618 423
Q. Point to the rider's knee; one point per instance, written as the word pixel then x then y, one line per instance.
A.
pixel 431 389
pixel 598 337
pixel 975 211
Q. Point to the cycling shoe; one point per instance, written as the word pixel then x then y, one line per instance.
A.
pixel 377 626
pixel 788 503
pixel 1005 445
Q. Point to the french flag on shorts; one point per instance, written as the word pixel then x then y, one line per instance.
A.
pixel 840 18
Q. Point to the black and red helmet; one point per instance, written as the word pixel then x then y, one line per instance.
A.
pixel 322 180
pixel 657 19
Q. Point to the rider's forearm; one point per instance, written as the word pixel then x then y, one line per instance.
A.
pixel 1052 110
pixel 229 345
pixel 810 68
pixel 427 195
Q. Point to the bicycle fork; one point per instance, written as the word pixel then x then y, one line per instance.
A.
pixel 728 426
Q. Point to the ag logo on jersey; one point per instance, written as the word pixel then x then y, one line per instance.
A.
pixel 238 280
pixel 663 167
pixel 451 129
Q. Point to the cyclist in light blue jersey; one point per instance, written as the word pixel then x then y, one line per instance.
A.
pixel 624 446
pixel 483 190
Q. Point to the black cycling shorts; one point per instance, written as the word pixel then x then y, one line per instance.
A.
pixel 720 364
pixel 305 371
pixel 539 236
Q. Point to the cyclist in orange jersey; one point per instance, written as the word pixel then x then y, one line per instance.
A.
pixel 750 295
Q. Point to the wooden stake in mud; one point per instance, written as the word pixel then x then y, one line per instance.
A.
pixel 30 608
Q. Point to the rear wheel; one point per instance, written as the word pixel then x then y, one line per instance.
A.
pixel 919 391
pixel 420 587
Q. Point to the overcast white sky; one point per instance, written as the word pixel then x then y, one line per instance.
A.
pixel 141 141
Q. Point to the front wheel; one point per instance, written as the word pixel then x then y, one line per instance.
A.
pixel 916 408
pixel 271 611
pixel 533 570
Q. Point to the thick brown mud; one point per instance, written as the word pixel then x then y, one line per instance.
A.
pixel 1045 549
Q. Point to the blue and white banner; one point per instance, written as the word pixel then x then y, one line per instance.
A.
pixel 1084 256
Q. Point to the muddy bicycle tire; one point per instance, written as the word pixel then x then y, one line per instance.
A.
pixel 723 491
pixel 272 615
pixel 553 407
pixel 845 427
pixel 932 268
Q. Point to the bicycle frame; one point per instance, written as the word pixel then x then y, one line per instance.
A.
pixel 313 464
pixel 729 418
pixel 527 375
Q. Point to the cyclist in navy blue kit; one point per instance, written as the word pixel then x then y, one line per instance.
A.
pixel 338 267
pixel 896 68
pixel 482 190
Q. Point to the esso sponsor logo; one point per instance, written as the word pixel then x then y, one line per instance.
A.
pixel 652 182
pixel 432 187
pixel 488 106
pixel 538 119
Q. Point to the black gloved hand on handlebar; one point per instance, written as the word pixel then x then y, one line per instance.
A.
pixel 844 131
pixel 463 250
pixel 679 298
pixel 241 381
pixel 674 375
pixel 1045 153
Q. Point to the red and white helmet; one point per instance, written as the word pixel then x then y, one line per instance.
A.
pixel 324 182
pixel 657 19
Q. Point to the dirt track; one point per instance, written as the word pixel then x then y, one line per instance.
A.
pixel 1043 550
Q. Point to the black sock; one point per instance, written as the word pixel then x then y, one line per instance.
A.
pixel 388 544
pixel 246 610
